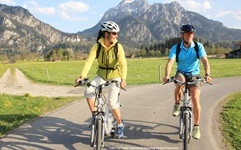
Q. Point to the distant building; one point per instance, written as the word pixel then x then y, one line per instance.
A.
pixel 238 44
pixel 235 53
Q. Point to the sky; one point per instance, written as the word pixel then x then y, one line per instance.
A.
pixel 72 16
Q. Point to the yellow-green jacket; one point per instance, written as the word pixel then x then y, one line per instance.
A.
pixel 110 67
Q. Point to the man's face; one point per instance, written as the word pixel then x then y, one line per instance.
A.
pixel 188 36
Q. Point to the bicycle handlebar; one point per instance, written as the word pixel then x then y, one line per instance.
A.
pixel 173 79
pixel 84 81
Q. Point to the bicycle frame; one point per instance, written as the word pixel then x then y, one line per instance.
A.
pixel 186 119
pixel 98 121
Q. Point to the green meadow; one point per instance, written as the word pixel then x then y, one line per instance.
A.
pixel 140 71
pixel 16 110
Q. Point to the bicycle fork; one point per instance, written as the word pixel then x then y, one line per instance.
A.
pixel 184 111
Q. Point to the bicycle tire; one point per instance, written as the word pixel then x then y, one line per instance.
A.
pixel 92 135
pixel 109 119
pixel 99 134
pixel 186 125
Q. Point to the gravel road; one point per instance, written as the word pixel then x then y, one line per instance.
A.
pixel 17 84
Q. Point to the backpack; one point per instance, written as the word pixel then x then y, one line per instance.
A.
pixel 115 50
pixel 178 50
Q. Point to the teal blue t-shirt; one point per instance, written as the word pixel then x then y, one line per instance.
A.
pixel 187 58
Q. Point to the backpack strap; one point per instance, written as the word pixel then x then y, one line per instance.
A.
pixel 196 49
pixel 99 47
pixel 98 51
pixel 116 50
pixel 178 49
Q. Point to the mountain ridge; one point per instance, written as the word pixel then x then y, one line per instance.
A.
pixel 140 23
pixel 19 26
pixel 159 22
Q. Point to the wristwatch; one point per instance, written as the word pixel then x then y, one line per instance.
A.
pixel 207 74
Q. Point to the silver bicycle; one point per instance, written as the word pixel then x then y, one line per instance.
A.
pixel 185 118
pixel 102 123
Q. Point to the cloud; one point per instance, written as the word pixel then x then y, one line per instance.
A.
pixel 7 2
pixel 237 15
pixel 223 13
pixel 32 3
pixel 44 10
pixel 70 10
pixel 72 6
pixel 68 17
pixel 34 7
pixel 194 5
pixel 232 14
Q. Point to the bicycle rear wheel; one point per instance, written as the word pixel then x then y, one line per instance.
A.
pixel 185 137
pixel 108 122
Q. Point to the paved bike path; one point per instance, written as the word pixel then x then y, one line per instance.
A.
pixel 147 116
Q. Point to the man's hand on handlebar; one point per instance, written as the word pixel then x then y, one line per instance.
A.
pixel 165 79
pixel 208 79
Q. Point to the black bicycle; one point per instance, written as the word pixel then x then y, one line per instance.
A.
pixel 185 118
pixel 102 123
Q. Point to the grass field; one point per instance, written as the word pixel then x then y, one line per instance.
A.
pixel 16 110
pixel 231 120
pixel 140 71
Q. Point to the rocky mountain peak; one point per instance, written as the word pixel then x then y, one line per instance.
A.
pixel 125 8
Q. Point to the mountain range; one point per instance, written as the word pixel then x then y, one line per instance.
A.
pixel 140 23
pixel 143 23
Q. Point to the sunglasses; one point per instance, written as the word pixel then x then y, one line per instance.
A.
pixel 114 33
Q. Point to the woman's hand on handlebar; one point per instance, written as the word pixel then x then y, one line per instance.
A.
pixel 78 81
pixel 81 80
pixel 123 83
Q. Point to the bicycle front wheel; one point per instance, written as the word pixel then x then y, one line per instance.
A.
pixel 99 134
pixel 185 137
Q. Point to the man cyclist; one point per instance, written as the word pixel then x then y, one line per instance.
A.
pixel 188 63
pixel 112 66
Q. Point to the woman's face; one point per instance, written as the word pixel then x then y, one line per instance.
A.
pixel 111 37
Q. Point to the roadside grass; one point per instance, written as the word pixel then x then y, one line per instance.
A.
pixel 3 68
pixel 17 110
pixel 231 121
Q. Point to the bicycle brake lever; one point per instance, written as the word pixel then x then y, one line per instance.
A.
pixel 209 83
pixel 123 88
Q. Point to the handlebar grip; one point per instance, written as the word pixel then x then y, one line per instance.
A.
pixel 82 82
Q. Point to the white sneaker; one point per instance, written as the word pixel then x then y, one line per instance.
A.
pixel 176 110
pixel 196 132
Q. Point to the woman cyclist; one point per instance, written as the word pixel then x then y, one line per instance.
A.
pixel 112 66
